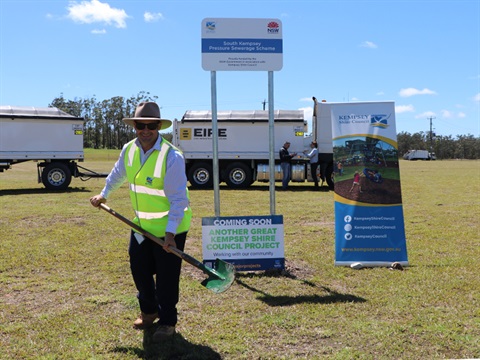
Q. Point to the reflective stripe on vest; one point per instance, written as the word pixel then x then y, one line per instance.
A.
pixel 145 190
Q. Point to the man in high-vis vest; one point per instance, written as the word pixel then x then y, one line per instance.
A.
pixel 155 171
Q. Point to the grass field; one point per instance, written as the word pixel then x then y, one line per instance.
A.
pixel 66 290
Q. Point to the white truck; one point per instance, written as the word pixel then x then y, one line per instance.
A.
pixel 48 136
pixel 419 155
pixel 243 145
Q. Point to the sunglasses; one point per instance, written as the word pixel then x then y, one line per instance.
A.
pixel 149 126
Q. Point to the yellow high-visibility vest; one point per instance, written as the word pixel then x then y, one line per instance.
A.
pixel 147 194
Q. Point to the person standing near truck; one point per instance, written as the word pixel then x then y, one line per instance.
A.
pixel 313 156
pixel 286 164
pixel 155 171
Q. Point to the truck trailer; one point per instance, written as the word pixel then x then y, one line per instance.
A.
pixel 419 155
pixel 48 136
pixel 243 146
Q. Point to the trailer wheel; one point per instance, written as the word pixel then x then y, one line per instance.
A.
pixel 238 176
pixel 56 176
pixel 329 176
pixel 201 176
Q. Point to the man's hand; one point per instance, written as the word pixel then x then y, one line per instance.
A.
pixel 97 200
pixel 169 241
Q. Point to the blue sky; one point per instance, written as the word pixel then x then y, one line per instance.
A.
pixel 424 55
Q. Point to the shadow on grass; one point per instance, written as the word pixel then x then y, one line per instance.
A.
pixel 42 191
pixel 283 300
pixel 176 348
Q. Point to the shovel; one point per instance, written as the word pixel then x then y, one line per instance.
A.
pixel 218 280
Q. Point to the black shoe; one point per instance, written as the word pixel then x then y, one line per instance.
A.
pixel 163 332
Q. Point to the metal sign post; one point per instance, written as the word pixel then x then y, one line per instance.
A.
pixel 216 169
pixel 271 137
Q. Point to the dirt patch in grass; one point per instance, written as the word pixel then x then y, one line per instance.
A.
pixel 293 269
pixel 386 192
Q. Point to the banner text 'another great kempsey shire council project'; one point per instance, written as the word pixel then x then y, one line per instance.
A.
pixel 369 223
pixel 250 243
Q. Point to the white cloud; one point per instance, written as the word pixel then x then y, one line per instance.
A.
pixel 152 17
pixel 306 99
pixel 308 112
pixel 425 115
pixel 447 114
pixel 369 45
pixel 476 98
pixel 412 92
pixel 94 11
pixel 99 32
pixel 404 108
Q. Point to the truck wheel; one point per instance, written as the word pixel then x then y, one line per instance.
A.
pixel 201 176
pixel 238 176
pixel 56 176
pixel 329 176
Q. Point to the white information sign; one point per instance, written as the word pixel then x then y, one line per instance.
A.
pixel 231 44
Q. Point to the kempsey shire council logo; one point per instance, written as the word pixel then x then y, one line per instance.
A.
pixel 375 120
pixel 380 121
pixel 210 25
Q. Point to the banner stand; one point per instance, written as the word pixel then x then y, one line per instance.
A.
pixel 369 224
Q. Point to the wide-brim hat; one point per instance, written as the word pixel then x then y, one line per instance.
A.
pixel 148 111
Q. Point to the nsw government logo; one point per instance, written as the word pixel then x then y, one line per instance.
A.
pixel 273 27
pixel 380 121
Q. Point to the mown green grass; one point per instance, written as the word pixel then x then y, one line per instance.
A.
pixel 66 290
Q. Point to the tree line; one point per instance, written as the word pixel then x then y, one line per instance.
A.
pixel 444 147
pixel 104 128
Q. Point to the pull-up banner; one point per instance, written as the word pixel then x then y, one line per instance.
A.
pixel 369 224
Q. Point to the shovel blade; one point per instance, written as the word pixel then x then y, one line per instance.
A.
pixel 222 279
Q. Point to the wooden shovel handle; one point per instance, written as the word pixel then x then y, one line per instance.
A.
pixel 191 260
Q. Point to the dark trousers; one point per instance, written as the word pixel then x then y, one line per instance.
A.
pixel 287 174
pixel 313 170
pixel 159 294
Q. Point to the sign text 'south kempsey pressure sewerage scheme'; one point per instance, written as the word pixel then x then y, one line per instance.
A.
pixel 242 44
